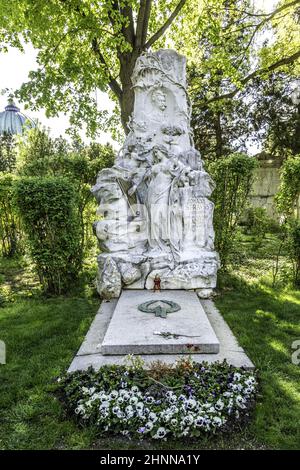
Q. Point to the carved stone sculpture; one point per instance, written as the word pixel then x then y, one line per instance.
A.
pixel 155 215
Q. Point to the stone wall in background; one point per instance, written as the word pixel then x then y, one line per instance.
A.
pixel 266 184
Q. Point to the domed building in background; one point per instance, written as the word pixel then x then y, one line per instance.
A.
pixel 12 121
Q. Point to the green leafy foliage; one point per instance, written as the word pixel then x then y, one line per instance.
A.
pixel 7 153
pixel 234 101
pixel 275 113
pixel 47 207
pixel 221 127
pixel 83 46
pixel 293 244
pixel 257 223
pixel 288 195
pixel 41 156
pixel 233 176
pixel 10 227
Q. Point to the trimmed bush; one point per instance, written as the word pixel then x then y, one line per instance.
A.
pixel 233 176
pixel 289 191
pixel 47 207
pixel 10 230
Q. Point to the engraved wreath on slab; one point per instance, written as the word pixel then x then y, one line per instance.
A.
pixel 159 307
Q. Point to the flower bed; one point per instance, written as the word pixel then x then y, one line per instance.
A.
pixel 184 400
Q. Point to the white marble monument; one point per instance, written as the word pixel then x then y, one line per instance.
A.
pixel 154 213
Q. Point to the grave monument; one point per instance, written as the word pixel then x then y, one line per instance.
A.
pixel 155 216
pixel 155 231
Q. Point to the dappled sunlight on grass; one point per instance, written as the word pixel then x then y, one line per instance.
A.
pixel 42 335
pixel 266 322
pixel 279 347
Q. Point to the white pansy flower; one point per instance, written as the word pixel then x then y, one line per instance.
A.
pixel 104 405
pixel 133 400
pixel 240 401
pixel 173 399
pixel 152 417
pixel 80 409
pixel 219 405
pixel 115 410
pixel 160 433
pixel 149 426
pixel 103 397
pixel 217 421
pixel 250 381
pixel 120 414
pixel 191 403
pixel 149 400
pixel 199 421
pixel 140 406
pixel 236 376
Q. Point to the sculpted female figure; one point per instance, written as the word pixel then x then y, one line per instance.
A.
pixel 165 168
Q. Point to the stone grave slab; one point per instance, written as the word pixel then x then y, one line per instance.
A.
pixel 132 331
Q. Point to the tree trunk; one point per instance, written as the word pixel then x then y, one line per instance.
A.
pixel 126 105
pixel 127 63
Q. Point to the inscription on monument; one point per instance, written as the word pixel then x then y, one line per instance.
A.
pixel 156 215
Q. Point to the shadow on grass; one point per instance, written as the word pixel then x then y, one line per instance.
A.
pixel 266 323
pixel 42 335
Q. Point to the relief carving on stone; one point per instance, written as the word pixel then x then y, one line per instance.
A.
pixel 155 215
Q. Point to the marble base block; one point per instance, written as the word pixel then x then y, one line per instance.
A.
pixel 134 332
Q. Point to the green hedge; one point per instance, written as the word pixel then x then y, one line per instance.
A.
pixel 233 176
pixel 10 230
pixel 47 207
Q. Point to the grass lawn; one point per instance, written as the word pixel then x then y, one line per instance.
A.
pixel 42 335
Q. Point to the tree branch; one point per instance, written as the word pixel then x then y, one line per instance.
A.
pixel 165 26
pixel 248 78
pixel 113 83
pixel 128 30
pixel 140 23
pixel 146 21
pixel 272 13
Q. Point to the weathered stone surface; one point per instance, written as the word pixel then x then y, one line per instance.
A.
pixel 132 331
pixel 129 272
pixel 109 281
pixel 194 274
pixel 154 201
pixel 205 293
pixel 90 355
